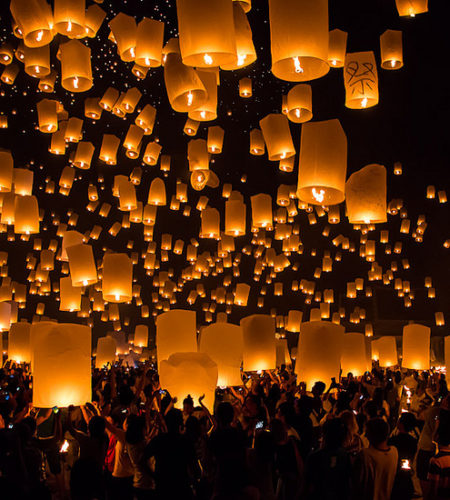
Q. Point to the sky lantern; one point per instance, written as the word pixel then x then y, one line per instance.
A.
pixel 277 136
pixel 141 336
pixel 323 163
pixel 149 43
pixel 319 352
pixel 47 82
pixel 257 145
pixel 6 171
pixel 19 343
pixel 69 295
pixel 235 215
pixel 8 76
pixel 353 357
pixel 189 373
pixel 299 103
pixel 117 277
pixel 109 98
pixel 70 238
pixel 206 111
pixel 151 153
pixel 259 342
pixel 215 139
pixel 337 48
pixel 83 155
pixel 299 39
pixel 206 31
pixel 5 316
pixel 245 87
pixel 210 227
pixel 223 343
pixel 47 115
pixel 108 150
pixel 76 71
pixel 245 50
pixel 146 119
pixel 69 18
pixel 26 215
pixel 294 321
pixel 94 18
pixel 33 16
pixel 410 8
pixel 106 352
pixel 391 50
pixel 157 192
pixel 124 30
pixel 61 354
pixel 74 131
pixel 175 332
pixel 261 210
pixel 37 61
pixel 365 192
pixel 361 80
pixel 416 347
pixel 83 271
pixel 92 108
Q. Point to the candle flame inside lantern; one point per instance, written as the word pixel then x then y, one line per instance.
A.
pixel 298 67
pixel 318 195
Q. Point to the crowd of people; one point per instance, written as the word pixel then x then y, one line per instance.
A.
pixel 385 435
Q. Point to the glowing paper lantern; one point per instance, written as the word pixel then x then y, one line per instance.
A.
pixel 19 343
pixel 277 136
pixel 5 316
pixel 223 343
pixel 141 336
pixel 117 277
pixel 261 210
pixel 76 71
pixel 175 332
pixel 391 49
pixel 215 139
pixel 157 192
pixel 124 30
pixel 353 357
pixel 245 87
pixel 47 82
pixel 299 39
pixel 411 7
pixel 83 155
pixel 319 352
pixel 93 20
pixel 9 75
pixel 108 151
pixel 257 146
pixel 82 265
pixel 416 347
pixel 294 320
pixel 106 352
pixel 37 61
pixel 235 215
pixel 299 103
pixel 26 215
pixel 189 373
pixel 241 294
pixel 47 115
pixel 69 295
pixel 149 42
pixel 365 193
pixel 206 111
pixel 33 16
pixel 61 355
pixel 361 80
pixel 69 18
pixel 146 119
pixel 6 171
pixel 323 163
pixel 259 342
pixel 206 32
pixel 337 48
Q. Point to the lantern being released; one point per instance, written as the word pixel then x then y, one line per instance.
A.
pixel 61 355
pixel 223 343
pixel 259 342
pixel 361 80
pixel 106 352
pixel 323 163
pixel 353 358
pixel 19 343
pixel 175 332
pixel 206 31
pixel 391 49
pixel 416 347
pixel 319 352
pixel 189 373
pixel 299 39
pixel 365 193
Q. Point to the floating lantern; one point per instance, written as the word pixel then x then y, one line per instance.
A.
pixel 245 87
pixel 92 108
pixel 109 99
pixel 9 75
pixel 108 151
pixel 69 18
pixel 83 155
pixel 189 373
pixel 26 215
pixel 33 16
pixel 337 48
pixel 19 343
pixel 299 103
pixel 319 352
pixel 69 295
pixel 223 343
pixel 47 82
pixel 149 42
pixel 235 215
pixel 299 39
pixel 124 30
pixel 241 294
pixel 410 8
pixel 210 223
pixel 47 115
pixel 361 80
pixel 151 153
pixel 157 192
pixel 206 31
pixel 353 357
pixel 365 193
pixel 82 265
pixel 257 146
pixel 5 316
pixel 277 136
pixel 76 71
pixel 106 352
pixel 117 277
pixel 215 139
pixel 416 347
pixel 93 20
pixel 37 61
pixel 206 111
pixel 23 181
pixel 259 342
pixel 322 163
pixel 391 50
pixel 261 210
pixel 61 356
pixel 141 336
pixel 6 171
pixel 146 119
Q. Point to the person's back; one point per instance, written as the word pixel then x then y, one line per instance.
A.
pixel 377 464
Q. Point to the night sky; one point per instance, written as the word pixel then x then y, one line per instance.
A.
pixel 409 125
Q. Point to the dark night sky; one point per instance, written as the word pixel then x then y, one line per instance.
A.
pixel 410 125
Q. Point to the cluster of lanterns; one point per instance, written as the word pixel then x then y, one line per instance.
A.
pixel 87 277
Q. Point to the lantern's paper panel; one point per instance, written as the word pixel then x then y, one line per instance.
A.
pixel 189 373
pixel 224 344
pixel 19 343
pixel 416 347
pixel 384 350
pixel 319 352
pixel 61 364
pixel 175 332
pixel 259 342
pixel 353 358
pixel 282 350
pixel 106 351
pixel 361 80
